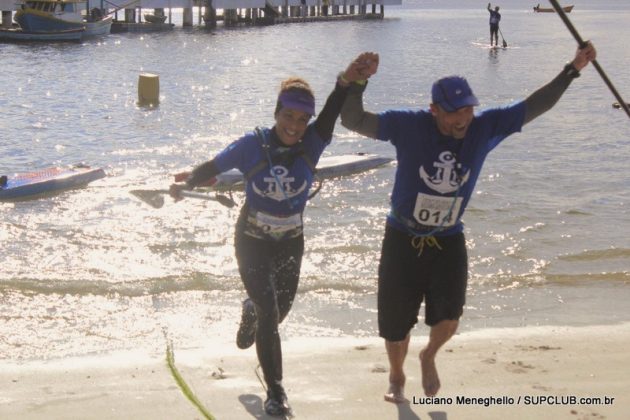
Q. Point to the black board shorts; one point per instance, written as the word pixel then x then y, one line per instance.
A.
pixel 438 277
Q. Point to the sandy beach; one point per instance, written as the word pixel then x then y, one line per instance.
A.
pixel 524 373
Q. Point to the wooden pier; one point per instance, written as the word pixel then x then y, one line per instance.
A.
pixel 229 12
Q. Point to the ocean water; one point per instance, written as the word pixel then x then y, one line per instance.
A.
pixel 95 270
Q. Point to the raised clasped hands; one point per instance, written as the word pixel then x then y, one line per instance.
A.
pixel 362 67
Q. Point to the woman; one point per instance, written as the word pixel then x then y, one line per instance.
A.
pixel 279 168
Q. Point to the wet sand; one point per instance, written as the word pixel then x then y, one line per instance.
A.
pixel 522 373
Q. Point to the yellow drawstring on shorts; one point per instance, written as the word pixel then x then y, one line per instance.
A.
pixel 419 242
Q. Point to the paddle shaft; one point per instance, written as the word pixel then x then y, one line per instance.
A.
pixel 187 194
pixel 503 38
pixel 582 44
pixel 202 196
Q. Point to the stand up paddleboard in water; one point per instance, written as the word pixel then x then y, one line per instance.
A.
pixel 489 47
pixel 328 167
pixel 30 185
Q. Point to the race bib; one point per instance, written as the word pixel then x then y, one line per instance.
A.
pixel 431 210
pixel 274 225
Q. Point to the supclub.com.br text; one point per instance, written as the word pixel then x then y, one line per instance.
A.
pixel 519 400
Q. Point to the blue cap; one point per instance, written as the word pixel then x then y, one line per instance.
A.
pixel 453 93
pixel 297 99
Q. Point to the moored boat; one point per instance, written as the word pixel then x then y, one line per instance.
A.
pixel 36 16
pixel 538 9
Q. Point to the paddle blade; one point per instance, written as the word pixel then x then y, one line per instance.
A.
pixel 504 44
pixel 226 201
pixel 152 197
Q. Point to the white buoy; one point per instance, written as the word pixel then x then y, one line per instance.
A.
pixel 148 89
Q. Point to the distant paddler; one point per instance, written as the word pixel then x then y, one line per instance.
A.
pixel 495 18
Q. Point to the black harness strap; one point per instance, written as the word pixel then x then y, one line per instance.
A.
pixel 264 163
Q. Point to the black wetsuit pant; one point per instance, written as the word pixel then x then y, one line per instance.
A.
pixel 494 32
pixel 270 271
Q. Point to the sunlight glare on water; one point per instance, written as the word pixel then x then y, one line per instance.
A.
pixel 95 269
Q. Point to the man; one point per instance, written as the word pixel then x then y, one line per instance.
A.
pixel 495 17
pixel 440 153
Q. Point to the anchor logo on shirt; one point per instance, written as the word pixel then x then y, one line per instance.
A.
pixel 445 178
pixel 274 190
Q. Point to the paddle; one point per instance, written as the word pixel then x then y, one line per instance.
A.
pixel 155 198
pixel 581 43
pixel 504 43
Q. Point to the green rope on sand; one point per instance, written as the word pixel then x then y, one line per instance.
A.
pixel 170 360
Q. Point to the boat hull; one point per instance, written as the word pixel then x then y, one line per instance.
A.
pixel 19 35
pixel 31 20
pixel 98 27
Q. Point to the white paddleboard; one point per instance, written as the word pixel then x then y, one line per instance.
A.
pixel 328 167
pixel 488 46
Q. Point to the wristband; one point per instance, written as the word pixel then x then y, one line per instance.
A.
pixel 571 71
pixel 345 82
pixel 342 80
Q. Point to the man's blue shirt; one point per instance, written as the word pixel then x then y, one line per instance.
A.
pixel 436 173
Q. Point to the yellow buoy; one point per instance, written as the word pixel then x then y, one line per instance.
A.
pixel 148 89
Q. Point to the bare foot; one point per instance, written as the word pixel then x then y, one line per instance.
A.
pixel 430 379
pixel 396 394
pixel 396 391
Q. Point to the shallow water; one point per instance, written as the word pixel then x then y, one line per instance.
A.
pixel 94 270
